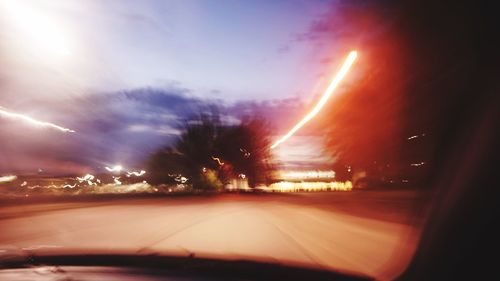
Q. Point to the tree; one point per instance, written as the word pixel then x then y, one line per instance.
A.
pixel 164 165
pixel 364 124
pixel 246 148
pixel 210 153
pixel 416 80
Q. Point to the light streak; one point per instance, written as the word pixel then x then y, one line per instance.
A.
pixel 87 177
pixel 8 178
pixel 417 164
pixel 33 121
pixel 116 168
pixel 326 95
pixel 141 187
pixel 178 178
pixel 245 152
pixel 307 174
pixel 117 180
pixel 137 174
pixel 286 186
pixel 416 136
pixel 218 160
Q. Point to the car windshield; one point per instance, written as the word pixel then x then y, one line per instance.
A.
pixel 302 133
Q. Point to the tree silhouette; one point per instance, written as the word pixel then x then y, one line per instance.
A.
pixel 209 154
pixel 246 148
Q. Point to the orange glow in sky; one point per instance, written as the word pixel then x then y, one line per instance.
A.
pixel 326 95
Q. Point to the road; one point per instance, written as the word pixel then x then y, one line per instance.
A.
pixel 265 228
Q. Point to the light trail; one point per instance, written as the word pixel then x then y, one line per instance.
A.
pixel 326 95
pixel 313 174
pixel 87 177
pixel 116 168
pixel 8 178
pixel 287 186
pixel 416 136
pixel 33 121
pixel 117 180
pixel 218 160
pixel 137 174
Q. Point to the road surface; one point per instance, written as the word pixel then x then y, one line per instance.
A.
pixel 264 228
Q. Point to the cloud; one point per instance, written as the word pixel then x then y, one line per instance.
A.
pixel 161 130
pixel 121 127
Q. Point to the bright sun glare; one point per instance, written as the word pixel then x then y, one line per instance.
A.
pixel 39 32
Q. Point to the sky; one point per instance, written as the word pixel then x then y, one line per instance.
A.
pixel 122 73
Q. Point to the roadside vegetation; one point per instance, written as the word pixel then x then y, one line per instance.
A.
pixel 210 155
